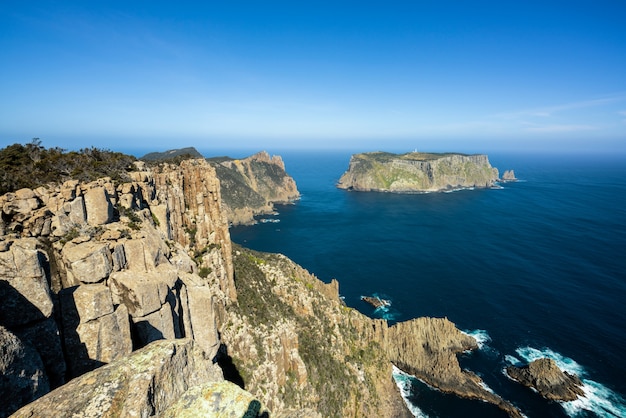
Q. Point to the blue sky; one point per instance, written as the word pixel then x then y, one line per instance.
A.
pixel 433 75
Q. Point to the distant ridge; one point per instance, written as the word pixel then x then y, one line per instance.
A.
pixel 173 153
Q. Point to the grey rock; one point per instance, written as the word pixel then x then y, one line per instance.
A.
pixel 22 375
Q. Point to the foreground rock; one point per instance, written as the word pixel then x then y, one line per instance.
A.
pixel 166 378
pixel 22 373
pixel 416 172
pixel 551 382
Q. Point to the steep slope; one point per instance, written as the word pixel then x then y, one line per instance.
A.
pixel 417 172
pixel 253 185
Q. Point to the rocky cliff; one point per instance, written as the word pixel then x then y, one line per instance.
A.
pixel 251 186
pixel 92 272
pixel 417 172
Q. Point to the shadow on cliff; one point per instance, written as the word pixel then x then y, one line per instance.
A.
pixel 15 310
pixel 75 351
pixel 228 367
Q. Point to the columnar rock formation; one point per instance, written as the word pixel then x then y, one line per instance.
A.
pixel 417 172
pixel 89 272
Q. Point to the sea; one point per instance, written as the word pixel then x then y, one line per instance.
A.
pixel 533 268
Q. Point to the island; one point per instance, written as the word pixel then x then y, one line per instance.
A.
pixel 417 172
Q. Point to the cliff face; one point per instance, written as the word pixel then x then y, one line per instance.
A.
pixel 251 186
pixel 91 271
pixel 298 347
pixel 417 172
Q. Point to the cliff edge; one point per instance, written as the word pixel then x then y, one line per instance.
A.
pixel 417 172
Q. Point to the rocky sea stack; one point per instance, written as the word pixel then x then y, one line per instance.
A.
pixel 545 377
pixel 417 172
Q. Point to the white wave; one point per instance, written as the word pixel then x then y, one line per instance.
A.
pixel 486 387
pixel 513 360
pixel 565 363
pixel 403 381
pixel 598 399
pixel 481 336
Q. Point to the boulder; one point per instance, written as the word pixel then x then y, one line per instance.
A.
pixel 546 378
pixel 22 375
pixel 44 337
pixel 88 262
pixel 94 332
pixel 98 206
pixel 24 289
pixel 145 383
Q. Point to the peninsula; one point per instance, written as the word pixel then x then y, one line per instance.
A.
pixel 417 172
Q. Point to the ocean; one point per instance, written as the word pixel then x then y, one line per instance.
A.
pixel 535 268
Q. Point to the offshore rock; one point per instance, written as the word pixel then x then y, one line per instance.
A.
pixel 509 175
pixel 551 382
pixel 417 172
pixel 146 383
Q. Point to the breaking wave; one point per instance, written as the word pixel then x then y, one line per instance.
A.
pixel 403 381
pixel 481 336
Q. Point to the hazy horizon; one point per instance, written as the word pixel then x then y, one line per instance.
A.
pixel 478 77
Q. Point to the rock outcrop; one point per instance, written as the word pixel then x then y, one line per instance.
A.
pixel 427 348
pixel 91 271
pixel 545 377
pixel 298 347
pixel 22 373
pixel 417 172
pixel 251 186
pixel 169 378
pixel 509 175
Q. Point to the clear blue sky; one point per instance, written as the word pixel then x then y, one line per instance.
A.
pixel 433 75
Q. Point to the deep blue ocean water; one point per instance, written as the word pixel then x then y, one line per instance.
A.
pixel 537 268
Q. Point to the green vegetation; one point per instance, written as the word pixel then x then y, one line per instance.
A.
pixel 322 342
pixel 32 165
pixel 134 219
pixel 174 156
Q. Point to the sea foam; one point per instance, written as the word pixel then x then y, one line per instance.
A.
pixel 598 399
pixel 403 381
pixel 481 336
